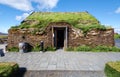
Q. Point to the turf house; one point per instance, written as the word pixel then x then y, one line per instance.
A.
pixel 61 30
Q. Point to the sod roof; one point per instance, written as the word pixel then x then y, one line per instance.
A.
pixel 80 20
pixel 42 19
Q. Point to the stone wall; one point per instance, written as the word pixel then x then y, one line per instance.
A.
pixel 93 38
pixel 75 37
pixel 23 35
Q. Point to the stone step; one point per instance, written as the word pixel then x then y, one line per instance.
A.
pixel 59 73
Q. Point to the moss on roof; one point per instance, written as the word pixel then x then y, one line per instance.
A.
pixel 42 19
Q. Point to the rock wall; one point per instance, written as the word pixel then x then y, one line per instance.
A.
pixel 75 37
pixel 23 35
pixel 93 38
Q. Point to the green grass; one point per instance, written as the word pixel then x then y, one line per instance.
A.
pixel 81 20
pixel 117 36
pixel 34 49
pixel 112 69
pixel 50 48
pixel 87 28
pixel 13 49
pixel 3 36
pixel 72 18
pixel 75 49
pixel 82 48
pixel 8 68
pixel 93 49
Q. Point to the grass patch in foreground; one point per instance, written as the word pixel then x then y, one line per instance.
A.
pixel 7 69
pixel 13 49
pixel 94 49
pixel 112 69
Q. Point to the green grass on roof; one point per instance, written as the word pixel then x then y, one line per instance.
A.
pixel 62 16
pixel 73 18
pixel 80 20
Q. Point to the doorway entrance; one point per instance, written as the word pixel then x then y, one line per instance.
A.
pixel 60 37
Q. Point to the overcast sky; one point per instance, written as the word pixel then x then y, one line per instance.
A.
pixel 12 12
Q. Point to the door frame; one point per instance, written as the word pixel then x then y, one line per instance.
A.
pixel 54 29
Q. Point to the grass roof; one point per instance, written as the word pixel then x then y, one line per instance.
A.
pixel 42 19
pixel 80 20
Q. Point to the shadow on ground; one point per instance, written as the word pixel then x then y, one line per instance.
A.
pixel 20 73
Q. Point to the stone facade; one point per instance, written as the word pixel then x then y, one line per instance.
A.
pixel 94 38
pixel 74 37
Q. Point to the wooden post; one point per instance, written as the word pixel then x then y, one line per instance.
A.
pixel 52 36
pixel 66 36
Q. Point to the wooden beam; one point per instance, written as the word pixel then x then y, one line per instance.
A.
pixel 52 36
pixel 66 36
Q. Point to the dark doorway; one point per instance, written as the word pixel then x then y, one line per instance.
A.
pixel 60 38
